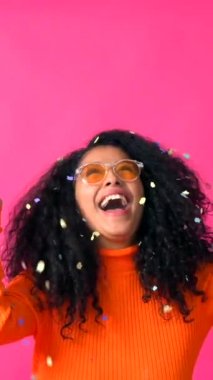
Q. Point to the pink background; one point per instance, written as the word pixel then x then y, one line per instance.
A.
pixel 70 69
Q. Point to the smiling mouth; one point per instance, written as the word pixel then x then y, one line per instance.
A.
pixel 114 202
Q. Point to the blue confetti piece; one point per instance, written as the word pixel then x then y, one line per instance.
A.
pixel 70 178
pixel 21 321
pixel 186 155
pixel 105 318
pixel 36 200
pixel 26 342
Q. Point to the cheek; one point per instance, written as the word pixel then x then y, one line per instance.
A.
pixel 85 200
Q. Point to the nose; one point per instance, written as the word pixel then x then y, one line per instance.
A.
pixel 111 179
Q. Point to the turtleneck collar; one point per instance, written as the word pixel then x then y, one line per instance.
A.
pixel 119 260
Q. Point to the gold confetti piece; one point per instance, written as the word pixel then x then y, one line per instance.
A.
pixel 23 265
pixel 167 308
pixel 184 194
pixel 79 265
pixel 152 184
pixel 47 284
pixel 40 266
pixel 28 206
pixel 49 361
pixel 97 138
pixel 142 201
pixel 63 223
pixel 95 234
pixel 170 152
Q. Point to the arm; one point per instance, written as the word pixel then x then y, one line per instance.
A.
pixel 18 316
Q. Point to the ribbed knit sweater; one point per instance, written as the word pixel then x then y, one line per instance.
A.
pixel 134 341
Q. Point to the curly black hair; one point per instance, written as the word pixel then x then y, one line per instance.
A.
pixel 176 241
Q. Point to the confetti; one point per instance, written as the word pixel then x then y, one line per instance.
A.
pixel 186 155
pixel 84 220
pixel 60 257
pixel 21 321
pixel 23 265
pixel 170 152
pixel 140 242
pixel 105 318
pixel 97 138
pixel 152 184
pixel 154 288
pixel 63 223
pixel 60 159
pixel 49 361
pixel 47 284
pixel 79 265
pixel 187 278
pixel 197 220
pixel 184 194
pixel 40 266
pixel 81 235
pixel 132 132
pixel 167 308
pixel 70 178
pixel 36 200
pixel 185 227
pixel 95 234
pixel 142 201
pixel 28 206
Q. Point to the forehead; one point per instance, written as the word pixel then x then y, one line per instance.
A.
pixel 104 154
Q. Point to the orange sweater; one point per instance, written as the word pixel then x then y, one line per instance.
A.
pixel 135 344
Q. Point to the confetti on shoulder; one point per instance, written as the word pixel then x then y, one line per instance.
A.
pixel 95 234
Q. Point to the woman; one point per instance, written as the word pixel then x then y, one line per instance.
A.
pixel 110 265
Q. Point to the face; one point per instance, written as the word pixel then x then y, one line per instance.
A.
pixel 117 227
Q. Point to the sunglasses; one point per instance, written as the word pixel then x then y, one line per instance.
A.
pixel 95 172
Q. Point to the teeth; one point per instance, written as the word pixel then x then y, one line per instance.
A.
pixel 114 196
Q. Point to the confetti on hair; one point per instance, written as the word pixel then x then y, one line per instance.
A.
pixel 40 266
pixel 37 200
pixel 154 288
pixel 142 201
pixel 60 159
pixel 95 234
pixel 23 265
pixel 185 193
pixel 97 138
pixel 79 265
pixel 132 132
pixel 84 220
pixel 49 361
pixel 140 242
pixel 197 220
pixel 170 152
pixel 167 309
pixel 60 256
pixel 63 224
pixel 185 227
pixel 201 210
pixel 28 206
pixel 70 178
pixel 81 235
pixel 186 155
pixel 47 284
pixel 152 184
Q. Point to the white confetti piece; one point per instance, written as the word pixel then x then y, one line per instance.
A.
pixel 60 256
pixel 185 193
pixel 186 155
pixel 197 220
pixel 63 224
pixel 28 206
pixel 167 308
pixel 97 138
pixel 47 284
pixel 49 361
pixel 140 242
pixel 40 266
pixel 23 265
pixel 152 184
pixel 142 201
pixel 37 200
pixel 79 265
pixel 95 234
pixel 154 288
